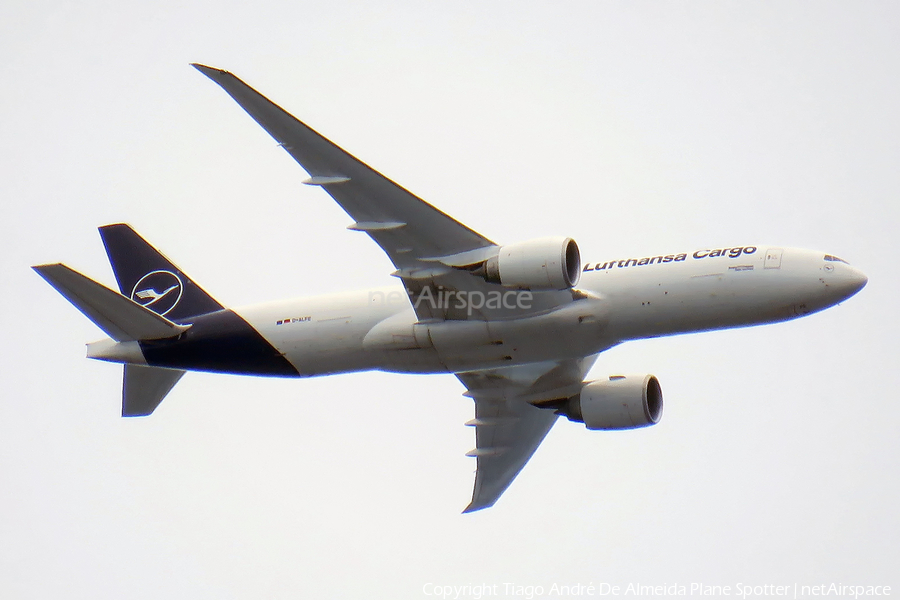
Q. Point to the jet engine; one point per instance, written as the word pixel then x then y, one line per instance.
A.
pixel 543 264
pixel 621 402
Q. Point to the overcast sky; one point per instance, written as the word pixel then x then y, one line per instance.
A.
pixel 633 127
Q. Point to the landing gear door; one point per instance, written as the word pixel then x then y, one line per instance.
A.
pixel 773 258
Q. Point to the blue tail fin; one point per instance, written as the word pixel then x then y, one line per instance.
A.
pixel 150 279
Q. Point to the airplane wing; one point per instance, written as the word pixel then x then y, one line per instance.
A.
pixel 424 243
pixel 405 226
pixel 508 428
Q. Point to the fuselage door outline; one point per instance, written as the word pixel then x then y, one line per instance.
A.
pixel 773 258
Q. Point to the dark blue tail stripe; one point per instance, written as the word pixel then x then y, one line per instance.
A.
pixel 220 342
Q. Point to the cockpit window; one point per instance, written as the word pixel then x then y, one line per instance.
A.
pixel 831 258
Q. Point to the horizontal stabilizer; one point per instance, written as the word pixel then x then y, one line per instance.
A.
pixel 121 318
pixel 144 388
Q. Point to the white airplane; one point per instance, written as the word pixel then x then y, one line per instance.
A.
pixel 519 324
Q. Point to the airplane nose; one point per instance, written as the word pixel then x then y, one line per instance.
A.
pixel 857 281
pixel 851 281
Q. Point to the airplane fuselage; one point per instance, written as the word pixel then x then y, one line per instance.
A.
pixel 615 301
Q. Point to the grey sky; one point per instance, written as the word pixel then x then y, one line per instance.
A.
pixel 632 127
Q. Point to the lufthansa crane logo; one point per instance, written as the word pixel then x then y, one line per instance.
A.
pixel 160 291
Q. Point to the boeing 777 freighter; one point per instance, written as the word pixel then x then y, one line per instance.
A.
pixel 519 324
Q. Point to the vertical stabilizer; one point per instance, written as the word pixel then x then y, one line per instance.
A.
pixel 144 388
pixel 151 279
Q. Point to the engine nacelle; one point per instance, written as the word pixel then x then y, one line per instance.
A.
pixel 621 402
pixel 543 264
